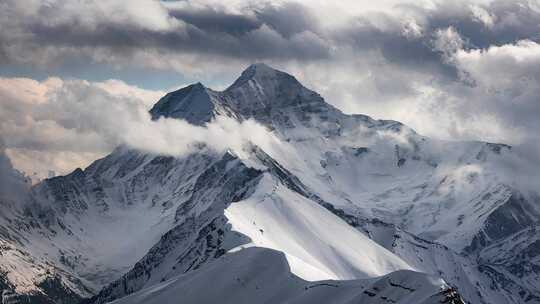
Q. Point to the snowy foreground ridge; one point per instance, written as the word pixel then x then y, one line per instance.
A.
pixel 331 208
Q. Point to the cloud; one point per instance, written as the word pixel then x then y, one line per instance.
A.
pixel 494 97
pixel 40 134
pixel 13 184
pixel 62 124
pixel 447 41
pixel 46 33
pixel 483 16
pixel 118 31
pixel 198 36
pixel 505 81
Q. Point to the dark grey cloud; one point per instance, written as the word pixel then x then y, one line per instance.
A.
pixel 513 21
pixel 263 33
pixel 215 20
pixel 289 31
pixel 289 19
pixel 405 51
pixel 62 119
pixel 13 184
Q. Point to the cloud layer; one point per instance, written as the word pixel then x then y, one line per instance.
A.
pixel 60 125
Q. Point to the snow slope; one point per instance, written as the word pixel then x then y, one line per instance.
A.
pixel 263 275
pixel 318 245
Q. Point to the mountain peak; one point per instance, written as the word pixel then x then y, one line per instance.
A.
pixel 259 89
pixel 261 67
pixel 263 77
pixel 198 102
pixel 192 103
pixel 258 70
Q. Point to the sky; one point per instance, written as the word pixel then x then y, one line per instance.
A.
pixel 75 74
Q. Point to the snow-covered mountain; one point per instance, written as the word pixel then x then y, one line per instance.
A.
pixel 342 207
